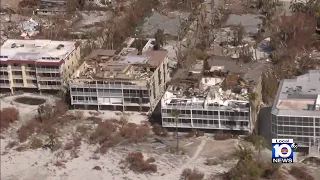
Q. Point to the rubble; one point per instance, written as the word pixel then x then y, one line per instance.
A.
pixel 128 64
pixel 29 28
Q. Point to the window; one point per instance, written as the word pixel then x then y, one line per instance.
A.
pixel 18 81
pixel 159 77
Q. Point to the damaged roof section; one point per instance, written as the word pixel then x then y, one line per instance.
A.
pixel 129 64
pixel 224 85
pixel 250 72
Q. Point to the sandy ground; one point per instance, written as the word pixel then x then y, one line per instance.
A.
pixel 41 164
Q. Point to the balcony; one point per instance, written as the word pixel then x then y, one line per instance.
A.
pixel 47 70
pixel 237 127
pixel 32 85
pixel 16 68
pixel 17 77
pixel 93 102
pixel 31 77
pixel 30 69
pixel 50 87
pixel 109 94
pixel 4 77
pixel 3 68
pixel 18 85
pixel 75 93
pixel 4 85
pixel 40 78
pixel 173 124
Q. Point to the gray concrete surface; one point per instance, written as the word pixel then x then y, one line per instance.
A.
pixel 249 21
pixel 170 25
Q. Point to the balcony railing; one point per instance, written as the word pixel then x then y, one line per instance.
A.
pixel 95 102
pixel 49 78
pixel 18 85
pixel 32 85
pixel 3 68
pixel 17 77
pixel 204 126
pixel 31 77
pixel 49 86
pixel 47 70
pixel 16 68
pixel 30 69
pixel 108 86
pixel 4 85
pixel 4 77
pixel 73 93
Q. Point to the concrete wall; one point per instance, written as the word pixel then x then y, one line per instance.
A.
pixel 255 110
pixel 71 64
pixel 157 86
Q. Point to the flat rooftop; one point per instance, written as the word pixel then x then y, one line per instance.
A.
pixel 36 50
pixel 129 64
pixel 299 96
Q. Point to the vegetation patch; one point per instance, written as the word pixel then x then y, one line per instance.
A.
pixel 113 132
pixel 300 173
pixel 7 116
pixel 192 174
pixel 135 162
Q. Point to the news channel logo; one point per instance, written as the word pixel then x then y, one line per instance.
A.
pixel 283 150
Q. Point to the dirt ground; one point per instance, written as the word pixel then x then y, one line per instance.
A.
pixel 12 4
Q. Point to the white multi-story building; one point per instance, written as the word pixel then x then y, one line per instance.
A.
pixel 296 110
pixel 131 80
pixel 215 98
pixel 37 64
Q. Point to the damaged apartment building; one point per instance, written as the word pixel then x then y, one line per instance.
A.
pixel 214 96
pixel 32 65
pixel 133 80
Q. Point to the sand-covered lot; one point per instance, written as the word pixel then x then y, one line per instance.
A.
pixel 20 160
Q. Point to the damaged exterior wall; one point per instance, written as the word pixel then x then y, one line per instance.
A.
pixel 120 94
pixel 203 115
pixel 121 89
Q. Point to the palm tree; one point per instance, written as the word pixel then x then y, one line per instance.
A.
pixel 243 153
pixel 175 113
pixel 260 144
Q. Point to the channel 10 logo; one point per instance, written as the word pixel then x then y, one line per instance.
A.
pixel 282 150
